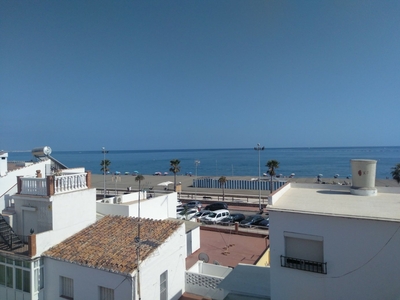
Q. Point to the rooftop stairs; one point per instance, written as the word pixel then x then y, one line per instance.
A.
pixel 11 240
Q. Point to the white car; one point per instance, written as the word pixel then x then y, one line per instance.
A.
pixel 186 214
pixel 201 214
pixel 216 216
pixel 179 203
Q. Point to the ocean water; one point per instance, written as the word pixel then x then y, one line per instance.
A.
pixel 304 162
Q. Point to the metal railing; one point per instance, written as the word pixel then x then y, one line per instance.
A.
pixel 304 265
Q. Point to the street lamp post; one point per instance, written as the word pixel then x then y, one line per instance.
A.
pixel 259 148
pixel 104 172
pixel 196 162
pixel 116 179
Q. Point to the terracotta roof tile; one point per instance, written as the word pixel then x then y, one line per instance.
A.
pixel 109 244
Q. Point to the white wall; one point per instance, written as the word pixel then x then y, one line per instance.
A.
pixel 169 256
pixel 43 213
pixel 57 217
pixel 195 239
pixel 10 181
pixel 86 281
pixel 74 208
pixel 363 258
pixel 114 209
pixel 161 207
pixel 132 197
pixel 278 193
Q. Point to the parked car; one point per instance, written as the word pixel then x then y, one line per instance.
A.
pixel 216 206
pixel 233 218
pixel 216 216
pixel 251 221
pixel 201 214
pixel 186 214
pixel 179 203
pixel 264 224
pixel 194 204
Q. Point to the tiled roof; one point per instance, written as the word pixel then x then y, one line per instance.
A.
pixel 109 244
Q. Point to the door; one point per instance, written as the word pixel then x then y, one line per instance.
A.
pixel 29 221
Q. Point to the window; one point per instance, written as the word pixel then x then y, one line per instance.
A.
pixel 106 293
pixel 22 277
pixel 303 246
pixel 18 279
pixel 41 277
pixel 66 287
pixel 164 286
pixel 304 252
pixel 9 277
pixel 26 275
pixel 2 274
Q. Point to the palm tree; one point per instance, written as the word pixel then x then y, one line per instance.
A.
pixel 139 178
pixel 175 168
pixel 272 165
pixel 396 173
pixel 104 165
pixel 222 181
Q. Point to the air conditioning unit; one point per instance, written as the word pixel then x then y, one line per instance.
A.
pixel 118 199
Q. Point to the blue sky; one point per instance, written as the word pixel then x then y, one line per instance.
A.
pixel 80 75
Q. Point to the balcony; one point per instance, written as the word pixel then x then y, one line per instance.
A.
pixel 304 265
pixel 53 185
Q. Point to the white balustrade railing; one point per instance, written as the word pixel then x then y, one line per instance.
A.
pixel 68 183
pixel 34 186
pixel 62 184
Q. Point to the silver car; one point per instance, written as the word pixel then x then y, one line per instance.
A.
pixel 186 214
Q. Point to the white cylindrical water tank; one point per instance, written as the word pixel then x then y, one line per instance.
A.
pixel 363 173
pixel 42 151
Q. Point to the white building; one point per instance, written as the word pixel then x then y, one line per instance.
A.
pixel 55 208
pixel 44 212
pixel 330 242
pixel 8 178
pixel 114 257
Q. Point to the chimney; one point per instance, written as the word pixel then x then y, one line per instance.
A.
pixel 363 173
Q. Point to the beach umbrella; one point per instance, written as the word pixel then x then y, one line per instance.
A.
pixel 292 174
pixel 320 175
pixel 336 175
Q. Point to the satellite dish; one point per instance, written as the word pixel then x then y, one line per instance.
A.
pixel 203 257
pixel 216 262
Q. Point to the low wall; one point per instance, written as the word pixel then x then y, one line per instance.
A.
pixel 238 184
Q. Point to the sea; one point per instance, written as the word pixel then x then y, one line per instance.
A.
pixel 303 162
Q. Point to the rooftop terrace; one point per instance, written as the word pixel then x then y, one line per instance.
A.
pixel 337 201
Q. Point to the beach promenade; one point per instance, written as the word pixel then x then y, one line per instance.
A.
pixel 150 182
